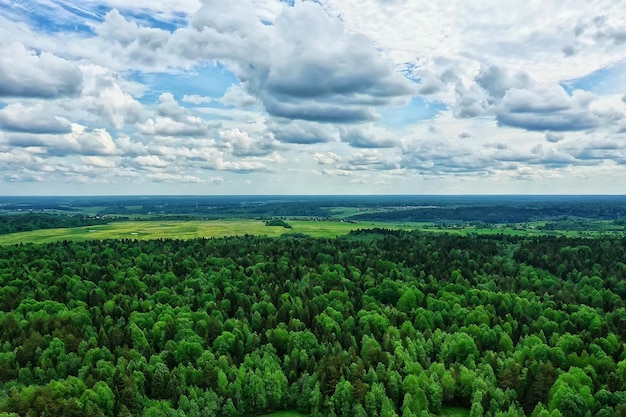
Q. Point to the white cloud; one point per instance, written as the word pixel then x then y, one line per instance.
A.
pixel 173 178
pixel 367 137
pixel 337 172
pixel 216 180
pixel 369 159
pixel 301 132
pixel 236 96
pixel 151 161
pixel 551 108
pixel 303 66
pixel 237 166
pixel 104 94
pixel 174 120
pixel 32 119
pixel 456 31
pixel 80 141
pixel 240 143
pixel 163 126
pixel 326 158
pixel 196 99
pixel 100 162
pixel 463 96
pixel 25 73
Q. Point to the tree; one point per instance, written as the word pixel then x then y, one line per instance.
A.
pixel 160 377
pixel 224 343
pixel 571 394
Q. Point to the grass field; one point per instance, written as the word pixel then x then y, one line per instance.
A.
pixel 178 229
pixel 188 230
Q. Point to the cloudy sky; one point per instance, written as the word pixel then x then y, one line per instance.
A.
pixel 312 97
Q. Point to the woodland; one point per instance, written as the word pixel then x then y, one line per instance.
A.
pixel 38 221
pixel 377 323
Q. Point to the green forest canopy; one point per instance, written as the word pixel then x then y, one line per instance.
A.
pixel 378 323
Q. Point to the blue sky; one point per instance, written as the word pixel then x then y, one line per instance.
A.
pixel 312 97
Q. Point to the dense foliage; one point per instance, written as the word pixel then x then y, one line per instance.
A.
pixel 375 324
pixel 36 221
pixel 278 222
pixel 486 209
pixel 252 210
pixel 501 213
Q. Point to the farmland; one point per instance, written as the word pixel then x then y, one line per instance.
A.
pixel 191 229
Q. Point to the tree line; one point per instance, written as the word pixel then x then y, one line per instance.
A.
pixel 36 221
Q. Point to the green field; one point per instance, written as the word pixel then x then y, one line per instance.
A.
pixel 188 230
pixel 179 229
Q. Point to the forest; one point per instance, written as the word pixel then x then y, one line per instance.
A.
pixel 403 208
pixel 376 323
pixel 38 221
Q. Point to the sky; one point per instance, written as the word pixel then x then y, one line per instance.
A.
pixel 214 97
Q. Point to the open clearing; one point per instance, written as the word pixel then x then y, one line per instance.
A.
pixel 179 229
pixel 189 230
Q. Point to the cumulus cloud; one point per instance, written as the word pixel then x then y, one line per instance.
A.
pixel 596 148
pixel 358 181
pixel 326 158
pixel 318 71
pixel 551 108
pixel 236 96
pixel 100 161
pixel 240 143
pixel 470 101
pixel 104 95
pixel 518 101
pixel 602 29
pixel 26 73
pixel 496 81
pixel 496 145
pixel 430 84
pixel 301 132
pixel 174 120
pixel 150 161
pixel 196 99
pixel 367 137
pixel 369 159
pixel 241 166
pixel 168 107
pixel 305 65
pixel 216 180
pixel 79 141
pixel 137 45
pixel 322 74
pixel 32 119
pixel 173 178
pixel 337 172
pixel 163 126
pixel 554 137
pixel 439 156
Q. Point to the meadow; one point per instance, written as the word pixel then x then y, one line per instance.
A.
pixel 190 229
